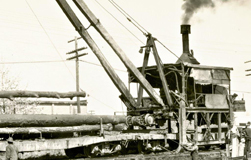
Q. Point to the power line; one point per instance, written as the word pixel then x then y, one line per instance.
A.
pixel 55 61
pixel 26 62
pixel 48 36
pixel 102 66
pixel 54 48
pixel 102 102
pixel 55 19
pixel 205 41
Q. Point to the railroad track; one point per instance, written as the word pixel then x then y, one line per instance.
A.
pixel 212 154
pixel 204 155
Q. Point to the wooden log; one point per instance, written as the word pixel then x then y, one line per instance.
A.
pixel 15 120
pixel 39 94
pixel 82 128
pixel 63 103
pixel 58 103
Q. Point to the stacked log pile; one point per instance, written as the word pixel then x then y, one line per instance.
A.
pixel 26 124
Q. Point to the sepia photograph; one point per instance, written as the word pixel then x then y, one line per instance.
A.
pixel 125 80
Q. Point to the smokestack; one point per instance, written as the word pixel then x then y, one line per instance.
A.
pixel 186 56
pixel 185 31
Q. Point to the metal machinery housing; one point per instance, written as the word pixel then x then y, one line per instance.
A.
pixel 205 91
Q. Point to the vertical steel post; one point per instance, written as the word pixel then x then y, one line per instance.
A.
pixel 182 111
pixel 219 126
pixel 196 127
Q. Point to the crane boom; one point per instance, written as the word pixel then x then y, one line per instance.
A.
pixel 128 64
pixel 130 102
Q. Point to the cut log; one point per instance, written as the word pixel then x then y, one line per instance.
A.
pixel 82 128
pixel 39 94
pixel 57 103
pixel 63 103
pixel 15 120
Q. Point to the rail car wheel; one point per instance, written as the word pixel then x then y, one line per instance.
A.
pixel 123 151
pixel 173 144
pixel 141 147
pixel 73 152
pixel 222 146
pixel 207 147
pixel 87 151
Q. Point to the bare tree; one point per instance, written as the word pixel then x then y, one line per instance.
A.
pixel 15 105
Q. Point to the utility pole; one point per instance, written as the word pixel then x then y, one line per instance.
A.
pixel 91 112
pixel 248 69
pixel 77 66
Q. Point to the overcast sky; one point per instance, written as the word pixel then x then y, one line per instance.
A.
pixel 38 31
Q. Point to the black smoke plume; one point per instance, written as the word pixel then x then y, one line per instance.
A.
pixel 192 6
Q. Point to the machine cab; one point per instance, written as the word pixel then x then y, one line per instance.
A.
pixel 201 86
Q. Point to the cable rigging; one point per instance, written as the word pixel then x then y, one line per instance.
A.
pixel 119 22
pixel 129 18
pixel 137 25
pixel 167 48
